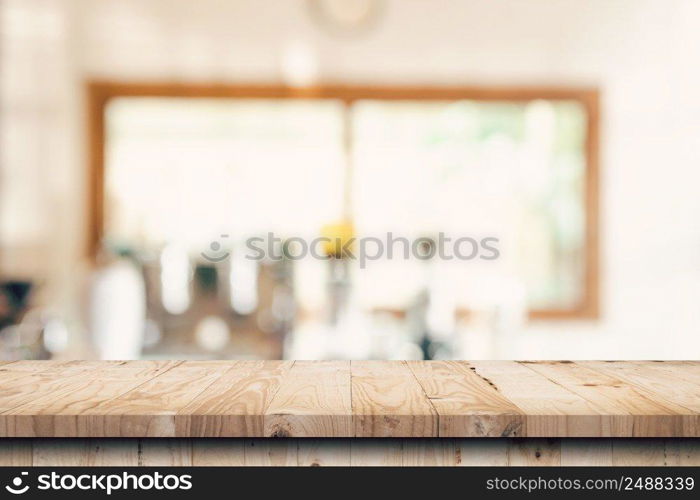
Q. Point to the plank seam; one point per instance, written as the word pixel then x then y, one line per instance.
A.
pixel 437 413
pixel 643 393
pixel 19 405
pixel 233 365
pixel 137 386
pixel 432 406
pixel 601 411
pixel 277 390
pixel 655 395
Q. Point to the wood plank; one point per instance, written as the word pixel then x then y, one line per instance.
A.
pixel 633 412
pixel 356 452
pixel 635 452
pixel 429 452
pixel 24 381
pixel 534 452
pixel 151 409
pixel 85 452
pixel 271 452
pixel 56 410
pixel 689 451
pixel 466 404
pixel 234 405
pixel 369 399
pixel 323 452
pixel 387 401
pixel 369 452
pixel 15 452
pixel 551 410
pixel 590 452
pixel 218 452
pixel 482 452
pixel 656 452
pixel 314 400
pixel 61 452
pixel 165 452
pixel 114 452
pixel 10 370
pixel 677 386
pixel 676 452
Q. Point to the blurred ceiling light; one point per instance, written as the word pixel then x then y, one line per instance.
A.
pixel 175 279
pixel 212 333
pixel 299 65
pixel 346 17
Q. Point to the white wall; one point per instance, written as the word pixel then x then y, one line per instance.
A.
pixel 643 54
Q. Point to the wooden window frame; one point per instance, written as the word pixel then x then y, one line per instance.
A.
pixel 99 93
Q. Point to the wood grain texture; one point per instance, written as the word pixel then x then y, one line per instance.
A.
pixel 23 381
pixel 165 452
pixel 152 408
pixel 592 452
pixel 677 384
pixel 481 452
pixel 534 452
pixel 387 401
pixel 354 452
pixel 323 452
pixel 314 400
pixel 467 405
pixel 633 411
pixel 359 399
pixel 220 452
pixel 551 410
pixel 55 405
pixel 235 405
pixel 376 452
pixel 15 452
pixel 85 452
pixel 634 452
pixel 429 452
pixel 271 452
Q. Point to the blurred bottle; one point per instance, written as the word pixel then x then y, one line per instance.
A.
pixel 116 309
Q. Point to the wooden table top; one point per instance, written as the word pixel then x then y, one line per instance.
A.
pixel 349 399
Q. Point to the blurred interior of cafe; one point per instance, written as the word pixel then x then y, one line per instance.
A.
pixel 145 144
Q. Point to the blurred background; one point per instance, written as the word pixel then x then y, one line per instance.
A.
pixel 144 142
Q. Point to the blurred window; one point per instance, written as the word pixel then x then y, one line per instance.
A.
pixel 186 170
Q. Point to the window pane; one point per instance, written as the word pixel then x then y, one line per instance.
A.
pixel 509 170
pixel 186 170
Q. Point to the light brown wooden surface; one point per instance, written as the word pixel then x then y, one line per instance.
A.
pixel 359 399
pixel 234 406
pixel 467 404
pixel 312 400
pixel 353 452
pixel 387 401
